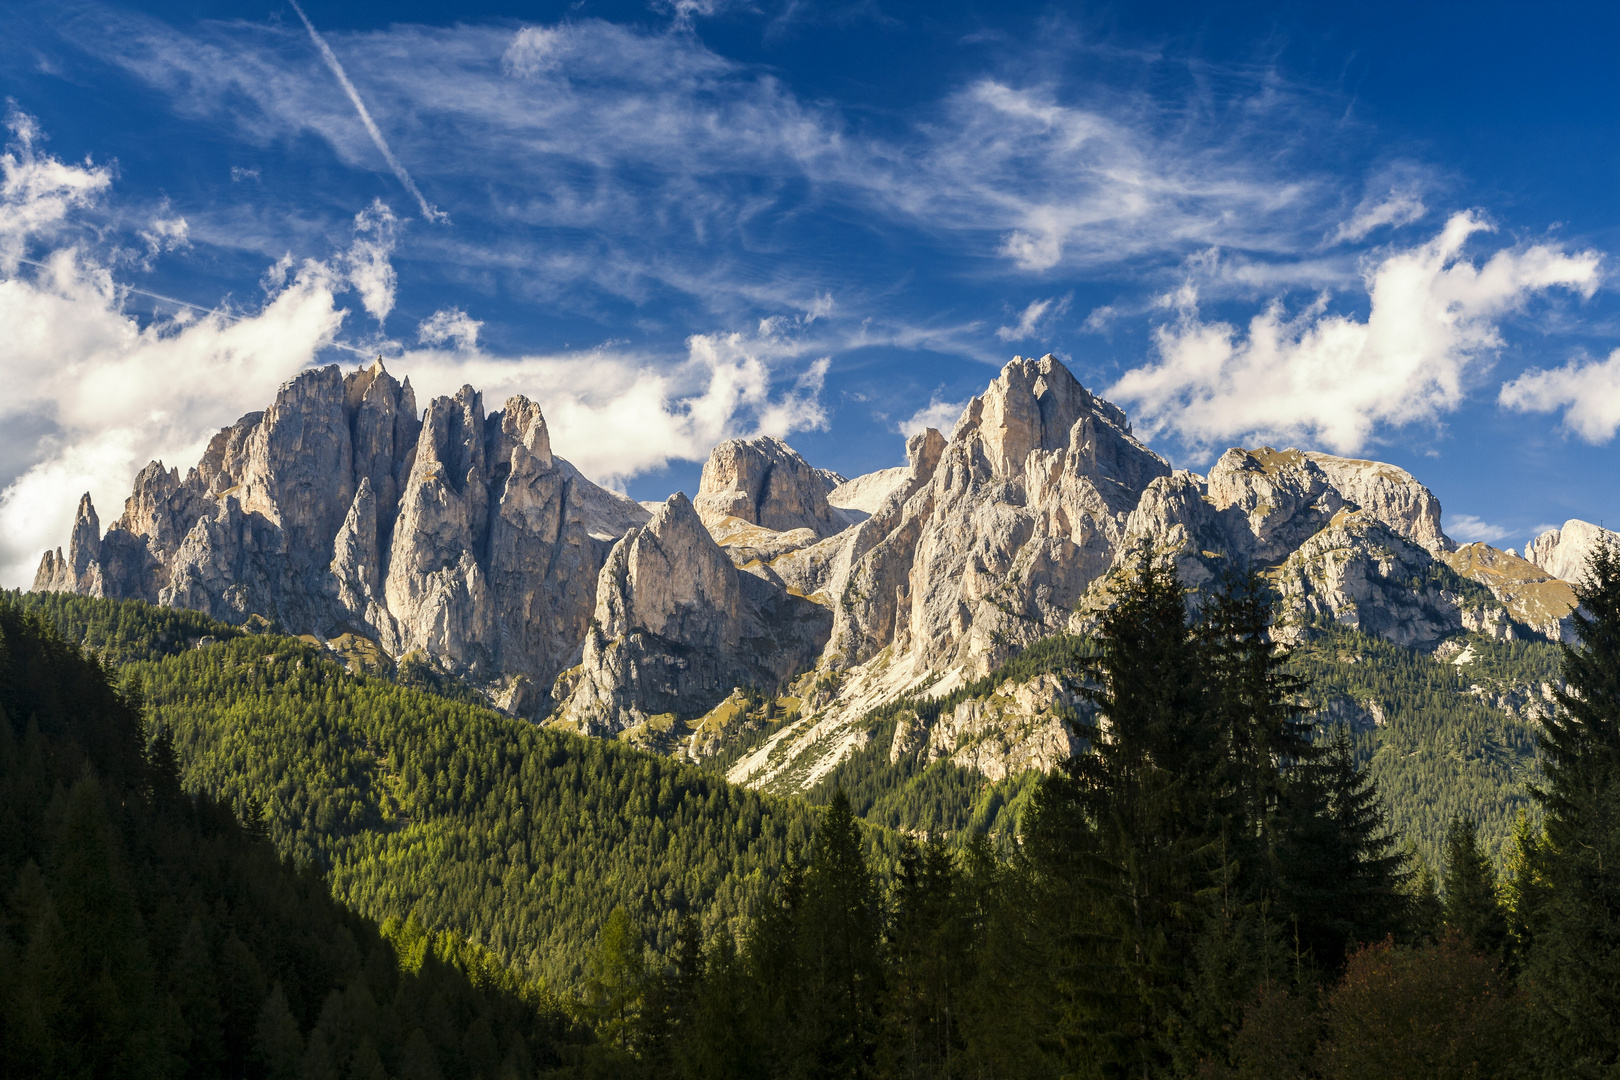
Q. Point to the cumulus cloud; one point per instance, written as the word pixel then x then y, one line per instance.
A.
pixel 939 414
pixel 102 393
pixel 616 414
pixel 1330 378
pixel 1039 313
pixel 38 191
pixel 376 229
pixel 450 325
pixel 1469 529
pixel 115 394
pixel 1588 392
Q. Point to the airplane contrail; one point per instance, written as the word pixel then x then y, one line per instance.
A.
pixel 430 212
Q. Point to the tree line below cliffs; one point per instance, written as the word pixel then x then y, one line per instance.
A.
pixel 242 860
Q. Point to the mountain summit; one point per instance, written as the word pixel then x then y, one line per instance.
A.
pixel 458 536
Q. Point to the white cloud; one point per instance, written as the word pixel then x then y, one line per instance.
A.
pixel 1038 313
pixel 38 191
pixel 618 414
pixel 1330 378
pixel 366 263
pixel 108 394
pixel 1396 207
pixel 118 395
pixel 164 234
pixel 1100 318
pixel 450 324
pixel 429 212
pixel 938 414
pixel 1468 528
pixel 642 136
pixel 1588 392
pixel 240 173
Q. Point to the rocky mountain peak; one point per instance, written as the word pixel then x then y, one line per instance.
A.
pixel 765 482
pixel 1563 553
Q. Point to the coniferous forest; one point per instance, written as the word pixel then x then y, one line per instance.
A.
pixel 241 860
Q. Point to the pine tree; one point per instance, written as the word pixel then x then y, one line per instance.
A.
pixel 1128 835
pixel 1339 877
pixel 1257 705
pixel 929 965
pixel 835 1030
pixel 1472 909
pixel 1572 973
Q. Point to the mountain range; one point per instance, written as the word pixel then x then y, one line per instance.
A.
pixel 760 623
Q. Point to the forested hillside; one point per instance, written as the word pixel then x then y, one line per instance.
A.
pixel 1437 747
pixel 146 933
pixel 521 838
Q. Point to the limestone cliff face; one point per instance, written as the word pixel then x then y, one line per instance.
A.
pixel 676 628
pixel 1024 509
pixel 765 482
pixel 1563 552
pixel 457 534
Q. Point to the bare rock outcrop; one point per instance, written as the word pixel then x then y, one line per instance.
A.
pixel 1026 507
pixel 339 510
pixel 1563 553
pixel 677 627
pixel 765 482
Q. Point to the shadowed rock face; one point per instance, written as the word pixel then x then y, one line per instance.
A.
pixel 766 483
pixel 458 534
pixel 677 627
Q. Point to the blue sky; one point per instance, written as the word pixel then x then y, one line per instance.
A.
pixel 1387 231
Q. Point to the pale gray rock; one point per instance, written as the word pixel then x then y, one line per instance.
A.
pixel 860 498
pixel 1391 495
pixel 1283 497
pixel 80 571
pixel 339 510
pixel 1563 553
pixel 765 482
pixel 676 627
pixel 1026 508
pixel 1360 573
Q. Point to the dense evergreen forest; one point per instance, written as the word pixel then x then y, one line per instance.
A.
pixel 148 933
pixel 1212 888
pixel 521 838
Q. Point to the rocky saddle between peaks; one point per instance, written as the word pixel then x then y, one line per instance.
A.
pixel 460 537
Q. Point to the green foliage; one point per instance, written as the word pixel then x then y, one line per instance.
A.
pixel 1441 751
pixel 144 932
pixel 1472 910
pixel 119 631
pixel 1572 970
pixel 520 838
pixel 941 798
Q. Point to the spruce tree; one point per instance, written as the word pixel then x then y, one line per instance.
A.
pixel 1128 834
pixel 1339 877
pixel 1471 906
pixel 1572 972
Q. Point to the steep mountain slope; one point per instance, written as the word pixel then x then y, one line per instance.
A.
pixel 759 626
pixel 339 510
pixel 147 933
pixel 516 837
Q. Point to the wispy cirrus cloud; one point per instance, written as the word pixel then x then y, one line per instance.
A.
pixel 102 392
pixel 1033 317
pixel 640 135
